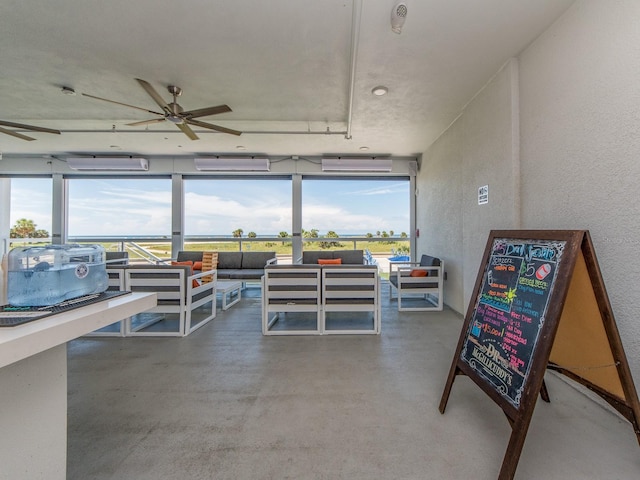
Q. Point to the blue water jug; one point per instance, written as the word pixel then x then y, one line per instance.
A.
pixel 50 274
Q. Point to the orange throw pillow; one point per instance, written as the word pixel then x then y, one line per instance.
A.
pixel 189 263
pixel 329 261
pixel 197 266
pixel 418 273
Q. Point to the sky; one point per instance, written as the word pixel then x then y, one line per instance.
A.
pixel 135 207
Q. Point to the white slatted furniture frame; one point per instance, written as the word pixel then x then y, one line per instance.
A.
pixel 176 294
pixel 290 290
pixel 116 283
pixel 408 285
pixel 351 289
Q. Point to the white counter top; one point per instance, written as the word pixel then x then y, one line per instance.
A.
pixel 22 341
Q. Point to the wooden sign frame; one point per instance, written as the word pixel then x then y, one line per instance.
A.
pixel 545 288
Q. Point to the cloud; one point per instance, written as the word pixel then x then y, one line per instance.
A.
pixel 133 207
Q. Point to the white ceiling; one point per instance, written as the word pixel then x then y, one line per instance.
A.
pixel 283 66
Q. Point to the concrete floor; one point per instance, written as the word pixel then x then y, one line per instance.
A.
pixel 228 403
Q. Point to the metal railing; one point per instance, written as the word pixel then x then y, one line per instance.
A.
pixel 154 249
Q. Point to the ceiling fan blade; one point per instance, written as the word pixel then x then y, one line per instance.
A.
pixel 155 95
pixel 212 127
pixel 15 134
pixel 146 122
pixel 187 131
pixel 204 112
pixel 29 127
pixel 123 104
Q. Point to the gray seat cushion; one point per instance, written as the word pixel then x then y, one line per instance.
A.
pixel 312 256
pixel 429 261
pixel 229 260
pixel 253 260
pixel 246 274
pixel 350 257
pixel 225 274
pixel 185 256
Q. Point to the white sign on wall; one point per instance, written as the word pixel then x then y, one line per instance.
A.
pixel 483 195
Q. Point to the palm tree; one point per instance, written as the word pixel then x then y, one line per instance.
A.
pixel 237 233
pixel 252 235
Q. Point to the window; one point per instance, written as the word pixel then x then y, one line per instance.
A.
pixel 31 201
pixel 218 207
pixel 119 207
pixel 358 207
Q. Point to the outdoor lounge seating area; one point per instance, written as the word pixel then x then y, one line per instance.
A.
pixel 478 136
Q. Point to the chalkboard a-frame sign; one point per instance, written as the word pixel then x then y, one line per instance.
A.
pixel 539 302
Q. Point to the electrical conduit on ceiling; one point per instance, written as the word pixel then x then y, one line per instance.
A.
pixel 355 35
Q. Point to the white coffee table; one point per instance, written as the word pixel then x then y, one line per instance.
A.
pixel 227 289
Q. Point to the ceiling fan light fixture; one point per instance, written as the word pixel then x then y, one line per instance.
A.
pixel 379 90
pixel 175 119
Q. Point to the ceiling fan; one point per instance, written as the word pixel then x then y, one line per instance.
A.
pixel 24 127
pixel 175 113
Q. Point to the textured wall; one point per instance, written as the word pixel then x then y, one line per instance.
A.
pixel 556 136
pixel 439 185
pixel 580 143
pixel 477 150
pixel 488 159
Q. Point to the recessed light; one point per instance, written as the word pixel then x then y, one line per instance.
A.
pixel 68 91
pixel 241 147
pixel 380 90
pixel 364 149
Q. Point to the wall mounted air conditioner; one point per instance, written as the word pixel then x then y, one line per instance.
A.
pixel 108 163
pixel 256 164
pixel 357 164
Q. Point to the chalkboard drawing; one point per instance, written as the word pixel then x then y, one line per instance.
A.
pixel 475 330
pixel 510 312
pixel 501 282
pixel 543 271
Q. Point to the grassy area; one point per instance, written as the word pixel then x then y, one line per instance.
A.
pixel 284 248
pixel 163 250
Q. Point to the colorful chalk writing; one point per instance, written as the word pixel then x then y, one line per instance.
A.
pixel 509 312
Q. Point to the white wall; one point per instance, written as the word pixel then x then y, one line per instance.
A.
pixel 574 97
pixel 580 152
pixel 477 150
pixel 440 189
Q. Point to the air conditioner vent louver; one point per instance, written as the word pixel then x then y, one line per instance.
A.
pixel 108 163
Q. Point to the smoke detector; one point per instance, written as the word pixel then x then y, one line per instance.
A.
pixel 398 16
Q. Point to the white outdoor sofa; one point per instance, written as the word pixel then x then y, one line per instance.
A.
pixel 320 299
